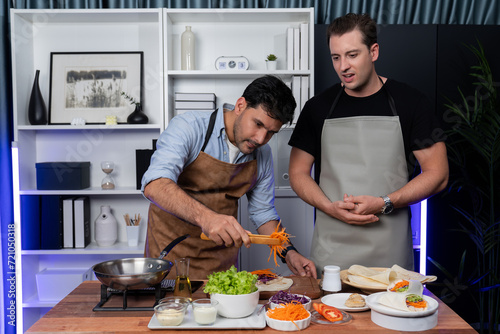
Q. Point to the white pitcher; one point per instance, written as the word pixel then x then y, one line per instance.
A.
pixel 106 228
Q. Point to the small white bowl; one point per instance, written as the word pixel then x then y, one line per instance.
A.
pixel 236 306
pixel 288 326
pixel 307 305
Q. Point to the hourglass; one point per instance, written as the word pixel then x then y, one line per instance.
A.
pixel 108 182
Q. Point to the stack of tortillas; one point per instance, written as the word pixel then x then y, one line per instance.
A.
pixel 380 278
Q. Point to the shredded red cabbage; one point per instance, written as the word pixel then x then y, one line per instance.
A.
pixel 284 297
pixel 266 278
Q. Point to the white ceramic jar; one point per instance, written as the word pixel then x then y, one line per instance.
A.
pixel 106 228
pixel 331 279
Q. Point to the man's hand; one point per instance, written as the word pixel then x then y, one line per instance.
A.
pixel 300 265
pixel 348 211
pixel 225 230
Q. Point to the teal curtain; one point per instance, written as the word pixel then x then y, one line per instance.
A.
pixel 383 11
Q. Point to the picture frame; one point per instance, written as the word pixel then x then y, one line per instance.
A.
pixel 89 85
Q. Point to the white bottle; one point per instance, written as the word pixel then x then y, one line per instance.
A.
pixel 187 49
pixel 331 279
pixel 106 228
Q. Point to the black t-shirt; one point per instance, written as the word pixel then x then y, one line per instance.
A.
pixel 419 125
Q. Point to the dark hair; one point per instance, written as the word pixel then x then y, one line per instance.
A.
pixel 273 95
pixel 351 21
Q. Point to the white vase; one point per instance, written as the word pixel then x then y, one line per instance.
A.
pixel 187 49
pixel 106 228
pixel 271 65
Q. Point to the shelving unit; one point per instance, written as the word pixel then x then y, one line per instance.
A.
pixel 252 33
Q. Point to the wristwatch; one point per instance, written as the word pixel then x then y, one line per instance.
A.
pixel 388 206
pixel 285 251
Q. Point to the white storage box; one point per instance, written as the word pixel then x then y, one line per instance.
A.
pixel 55 284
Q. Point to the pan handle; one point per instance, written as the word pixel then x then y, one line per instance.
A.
pixel 171 245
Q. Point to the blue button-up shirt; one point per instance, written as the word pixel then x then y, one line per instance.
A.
pixel 180 144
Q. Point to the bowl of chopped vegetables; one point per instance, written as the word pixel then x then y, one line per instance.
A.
pixel 284 297
pixel 288 317
pixel 235 291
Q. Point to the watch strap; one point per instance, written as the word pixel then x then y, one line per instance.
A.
pixel 285 251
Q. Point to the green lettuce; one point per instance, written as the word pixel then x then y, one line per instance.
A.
pixel 231 282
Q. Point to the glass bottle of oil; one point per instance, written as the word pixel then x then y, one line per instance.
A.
pixel 182 282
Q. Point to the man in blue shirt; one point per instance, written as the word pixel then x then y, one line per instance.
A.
pixel 203 164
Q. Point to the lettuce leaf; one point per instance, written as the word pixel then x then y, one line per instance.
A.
pixel 231 282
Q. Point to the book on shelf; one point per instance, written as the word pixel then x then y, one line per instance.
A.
pixel 194 96
pixel 304 92
pixel 30 222
pixel 289 48
pixel 296 94
pixel 182 111
pixel 68 229
pixel 296 49
pixel 194 105
pixel 304 46
pixel 81 210
pixel 51 222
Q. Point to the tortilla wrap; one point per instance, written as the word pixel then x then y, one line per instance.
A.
pixel 414 287
pixel 402 273
pixel 366 282
pixel 385 276
pixel 397 301
pixel 278 284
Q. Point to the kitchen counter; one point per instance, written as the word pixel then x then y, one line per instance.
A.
pixel 74 314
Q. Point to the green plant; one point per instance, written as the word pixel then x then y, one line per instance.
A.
pixel 271 57
pixel 130 99
pixel 474 150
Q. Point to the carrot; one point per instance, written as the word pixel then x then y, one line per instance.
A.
pixel 399 285
pixel 264 272
pixel 419 304
pixel 289 312
pixel 277 249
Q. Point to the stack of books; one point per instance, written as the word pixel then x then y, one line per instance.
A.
pixel 297 48
pixel 194 101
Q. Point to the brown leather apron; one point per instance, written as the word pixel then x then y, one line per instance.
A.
pixel 216 184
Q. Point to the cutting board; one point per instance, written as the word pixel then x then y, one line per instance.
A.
pixel 301 285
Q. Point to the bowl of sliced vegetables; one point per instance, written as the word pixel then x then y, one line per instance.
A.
pixel 288 317
pixel 235 291
pixel 284 297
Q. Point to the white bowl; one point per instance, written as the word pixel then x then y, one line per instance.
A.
pixel 307 305
pixel 288 326
pixel 236 306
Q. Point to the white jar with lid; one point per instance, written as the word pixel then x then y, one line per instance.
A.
pixel 331 279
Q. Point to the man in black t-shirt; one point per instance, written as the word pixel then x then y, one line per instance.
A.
pixel 359 135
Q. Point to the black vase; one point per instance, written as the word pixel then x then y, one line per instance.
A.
pixel 37 111
pixel 137 116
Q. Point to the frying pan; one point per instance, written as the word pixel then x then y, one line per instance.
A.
pixel 135 273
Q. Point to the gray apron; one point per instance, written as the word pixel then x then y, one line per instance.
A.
pixel 362 155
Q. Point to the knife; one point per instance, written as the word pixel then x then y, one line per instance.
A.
pixel 254 238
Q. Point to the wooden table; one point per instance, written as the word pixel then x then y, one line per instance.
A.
pixel 74 314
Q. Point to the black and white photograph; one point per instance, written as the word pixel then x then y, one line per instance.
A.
pixel 90 86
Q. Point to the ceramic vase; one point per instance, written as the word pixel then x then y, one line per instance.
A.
pixel 137 116
pixel 187 49
pixel 37 110
pixel 106 228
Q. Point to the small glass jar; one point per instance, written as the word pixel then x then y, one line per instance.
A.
pixel 205 311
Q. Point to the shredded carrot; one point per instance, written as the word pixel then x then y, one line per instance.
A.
pixel 264 272
pixel 277 249
pixel 419 304
pixel 399 285
pixel 289 312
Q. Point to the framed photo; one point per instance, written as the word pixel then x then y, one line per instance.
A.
pixel 89 85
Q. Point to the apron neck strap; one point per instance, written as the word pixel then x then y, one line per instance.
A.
pixel 210 129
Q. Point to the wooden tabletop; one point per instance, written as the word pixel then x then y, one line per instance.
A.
pixel 74 314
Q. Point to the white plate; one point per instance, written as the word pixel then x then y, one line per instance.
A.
pixel 372 302
pixel 252 321
pixel 337 300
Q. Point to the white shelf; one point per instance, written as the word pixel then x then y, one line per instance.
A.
pixel 90 127
pixel 89 191
pixel 249 74
pixel 119 248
